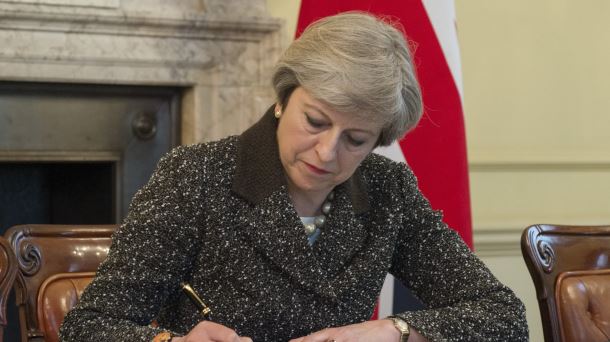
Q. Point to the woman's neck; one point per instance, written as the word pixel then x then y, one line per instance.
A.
pixel 307 203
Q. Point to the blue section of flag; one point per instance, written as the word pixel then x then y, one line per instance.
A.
pixel 404 300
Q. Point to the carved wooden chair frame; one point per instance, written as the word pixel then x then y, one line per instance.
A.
pixel 552 250
pixel 8 272
pixel 41 251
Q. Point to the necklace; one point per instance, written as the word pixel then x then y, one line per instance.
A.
pixel 318 222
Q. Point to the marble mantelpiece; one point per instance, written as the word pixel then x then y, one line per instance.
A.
pixel 220 52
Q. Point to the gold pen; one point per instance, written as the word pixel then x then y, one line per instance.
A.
pixel 194 297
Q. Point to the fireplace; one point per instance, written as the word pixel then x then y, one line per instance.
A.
pixel 103 88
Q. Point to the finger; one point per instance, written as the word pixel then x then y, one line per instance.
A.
pixel 245 339
pixel 218 332
pixel 224 336
pixel 320 336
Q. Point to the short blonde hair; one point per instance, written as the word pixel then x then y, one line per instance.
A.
pixel 355 63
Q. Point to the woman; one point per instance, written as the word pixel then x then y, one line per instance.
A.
pixel 288 230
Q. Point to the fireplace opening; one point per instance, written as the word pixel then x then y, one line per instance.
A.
pixel 59 193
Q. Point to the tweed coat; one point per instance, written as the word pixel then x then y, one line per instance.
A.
pixel 218 216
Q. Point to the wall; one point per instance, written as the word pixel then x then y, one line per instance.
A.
pixel 536 84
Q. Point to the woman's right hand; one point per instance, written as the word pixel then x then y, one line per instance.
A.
pixel 207 331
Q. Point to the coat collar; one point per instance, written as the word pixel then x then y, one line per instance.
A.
pixel 259 171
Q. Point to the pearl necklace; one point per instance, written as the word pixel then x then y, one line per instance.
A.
pixel 318 222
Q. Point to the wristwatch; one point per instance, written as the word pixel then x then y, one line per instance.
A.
pixel 165 336
pixel 402 327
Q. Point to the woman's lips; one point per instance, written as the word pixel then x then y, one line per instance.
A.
pixel 316 170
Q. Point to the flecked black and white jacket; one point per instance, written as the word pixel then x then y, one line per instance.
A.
pixel 218 216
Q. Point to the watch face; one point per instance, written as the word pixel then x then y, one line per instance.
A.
pixel 403 327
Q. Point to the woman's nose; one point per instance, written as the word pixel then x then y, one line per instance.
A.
pixel 327 146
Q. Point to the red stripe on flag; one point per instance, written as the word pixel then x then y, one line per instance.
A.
pixel 436 149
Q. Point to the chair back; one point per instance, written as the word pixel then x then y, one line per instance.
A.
pixel 570 267
pixel 56 296
pixel 55 264
pixel 8 271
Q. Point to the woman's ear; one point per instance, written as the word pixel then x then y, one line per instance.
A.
pixel 278 111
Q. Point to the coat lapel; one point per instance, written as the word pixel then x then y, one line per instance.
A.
pixel 343 235
pixel 276 231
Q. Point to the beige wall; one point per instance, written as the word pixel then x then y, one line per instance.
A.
pixel 287 10
pixel 537 105
pixel 537 102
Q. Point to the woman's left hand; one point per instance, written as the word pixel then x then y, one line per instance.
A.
pixel 381 330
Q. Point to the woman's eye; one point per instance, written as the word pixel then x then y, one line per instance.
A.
pixel 314 123
pixel 355 142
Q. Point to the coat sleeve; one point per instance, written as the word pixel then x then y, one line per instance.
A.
pixel 464 301
pixel 148 257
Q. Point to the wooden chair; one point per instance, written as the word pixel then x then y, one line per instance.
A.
pixel 54 265
pixel 570 267
pixel 8 271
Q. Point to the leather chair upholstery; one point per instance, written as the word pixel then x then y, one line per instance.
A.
pixel 57 295
pixel 51 260
pixel 8 271
pixel 570 267
pixel 583 304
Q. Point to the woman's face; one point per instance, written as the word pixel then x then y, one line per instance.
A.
pixel 320 147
